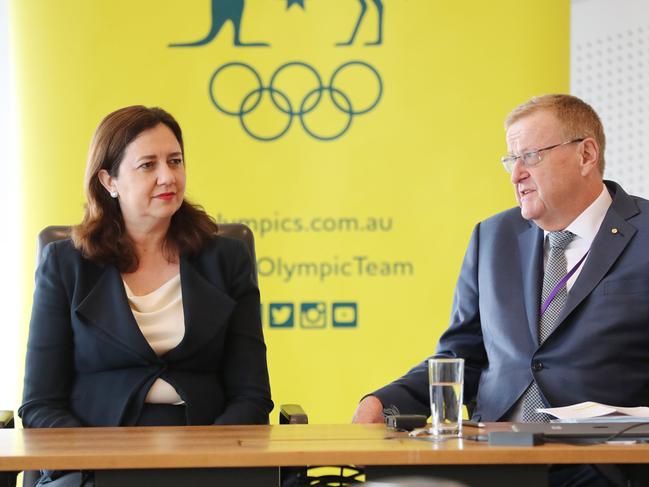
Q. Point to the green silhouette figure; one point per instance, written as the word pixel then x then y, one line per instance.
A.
pixel 379 8
pixel 222 11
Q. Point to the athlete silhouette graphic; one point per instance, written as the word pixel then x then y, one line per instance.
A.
pixel 223 11
pixel 232 10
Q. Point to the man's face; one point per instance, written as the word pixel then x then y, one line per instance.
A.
pixel 545 192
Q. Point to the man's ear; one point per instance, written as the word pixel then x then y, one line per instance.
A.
pixel 107 181
pixel 589 155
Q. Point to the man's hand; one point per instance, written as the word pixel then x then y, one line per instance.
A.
pixel 369 410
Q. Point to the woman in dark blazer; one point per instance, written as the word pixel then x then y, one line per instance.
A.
pixel 144 316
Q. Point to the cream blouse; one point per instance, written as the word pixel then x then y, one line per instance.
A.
pixel 161 319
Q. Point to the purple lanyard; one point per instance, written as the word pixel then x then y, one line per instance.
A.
pixel 561 283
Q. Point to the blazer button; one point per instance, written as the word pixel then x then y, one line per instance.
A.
pixel 537 366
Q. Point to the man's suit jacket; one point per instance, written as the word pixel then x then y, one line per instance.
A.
pixel 599 349
pixel 88 363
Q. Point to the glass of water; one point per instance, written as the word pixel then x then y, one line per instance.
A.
pixel 446 380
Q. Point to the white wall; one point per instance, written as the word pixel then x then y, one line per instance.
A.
pixel 610 70
pixel 10 221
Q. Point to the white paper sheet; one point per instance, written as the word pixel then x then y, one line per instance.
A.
pixel 590 409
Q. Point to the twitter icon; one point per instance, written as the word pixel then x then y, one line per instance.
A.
pixel 281 315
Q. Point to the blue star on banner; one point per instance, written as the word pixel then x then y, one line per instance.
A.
pixel 290 3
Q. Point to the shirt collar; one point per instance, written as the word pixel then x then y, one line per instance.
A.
pixel 586 225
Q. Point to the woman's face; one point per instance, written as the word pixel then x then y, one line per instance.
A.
pixel 150 183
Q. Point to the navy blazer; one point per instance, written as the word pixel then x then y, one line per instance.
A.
pixel 88 363
pixel 599 350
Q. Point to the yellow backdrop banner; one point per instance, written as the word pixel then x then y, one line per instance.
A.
pixel 359 139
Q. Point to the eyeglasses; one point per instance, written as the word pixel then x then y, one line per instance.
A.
pixel 532 158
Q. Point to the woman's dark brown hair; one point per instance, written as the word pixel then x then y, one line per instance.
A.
pixel 102 235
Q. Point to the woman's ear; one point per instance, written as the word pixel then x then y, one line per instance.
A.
pixel 108 182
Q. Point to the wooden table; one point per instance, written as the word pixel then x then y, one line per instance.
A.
pixel 251 454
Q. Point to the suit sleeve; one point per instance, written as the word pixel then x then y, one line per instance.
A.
pixel 49 368
pixel 463 339
pixel 247 386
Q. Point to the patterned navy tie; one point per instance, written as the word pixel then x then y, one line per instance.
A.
pixel 556 269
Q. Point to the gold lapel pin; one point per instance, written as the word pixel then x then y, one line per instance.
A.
pixel 614 231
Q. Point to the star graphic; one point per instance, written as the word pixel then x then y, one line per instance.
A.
pixel 290 3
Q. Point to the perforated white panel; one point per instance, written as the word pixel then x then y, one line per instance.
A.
pixel 610 70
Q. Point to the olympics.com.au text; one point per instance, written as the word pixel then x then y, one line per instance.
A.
pixel 324 224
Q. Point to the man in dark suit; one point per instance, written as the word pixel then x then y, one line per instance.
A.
pixel 532 336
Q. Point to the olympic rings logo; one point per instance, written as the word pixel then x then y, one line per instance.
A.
pixel 302 106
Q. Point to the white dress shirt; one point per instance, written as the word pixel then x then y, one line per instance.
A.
pixel 585 227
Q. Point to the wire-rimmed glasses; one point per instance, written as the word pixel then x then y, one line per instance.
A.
pixel 532 158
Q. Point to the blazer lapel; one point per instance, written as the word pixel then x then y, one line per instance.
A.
pixel 531 241
pixel 106 307
pixel 207 310
pixel 613 236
